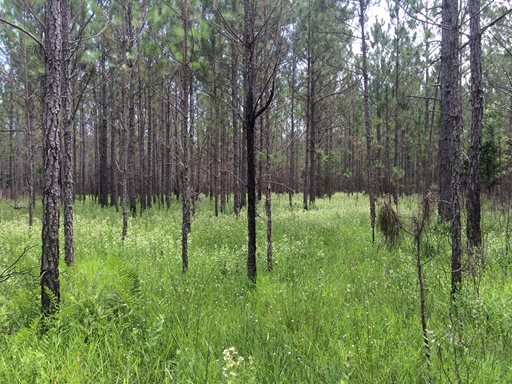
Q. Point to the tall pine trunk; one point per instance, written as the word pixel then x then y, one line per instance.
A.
pixel 451 132
pixel 249 128
pixel 49 275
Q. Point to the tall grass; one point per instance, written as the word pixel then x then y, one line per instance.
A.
pixel 335 309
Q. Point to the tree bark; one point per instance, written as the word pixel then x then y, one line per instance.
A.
pixel 449 114
pixel 249 127
pixel 451 132
pixel 67 157
pixel 49 276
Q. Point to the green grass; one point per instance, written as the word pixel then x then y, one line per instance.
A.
pixel 335 309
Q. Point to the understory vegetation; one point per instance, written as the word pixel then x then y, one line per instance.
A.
pixel 335 309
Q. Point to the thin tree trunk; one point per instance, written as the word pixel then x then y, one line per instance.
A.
pixel 168 166
pixel 238 186
pixel 474 234
pixel 421 284
pixel 387 145
pixel 131 149
pixel 114 174
pixel 259 184
pixel 149 179
pixel 427 179
pixel 292 155
pixel 126 126
pixel 103 137
pixel 12 167
pixel 312 135
pixel 68 133
pixel 143 176
pixel 83 180
pixel 268 191
pixel 369 160
pixel 396 159
pixel 216 159
pixel 223 158
pixel 185 229
pixel 30 148
pixel 307 156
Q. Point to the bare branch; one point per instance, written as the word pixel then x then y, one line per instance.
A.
pixel 24 31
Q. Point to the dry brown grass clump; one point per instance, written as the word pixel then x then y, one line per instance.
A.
pixel 388 222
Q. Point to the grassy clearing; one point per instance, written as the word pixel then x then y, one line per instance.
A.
pixel 336 309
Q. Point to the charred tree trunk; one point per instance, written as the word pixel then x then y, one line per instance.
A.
pixel 250 116
pixel 249 128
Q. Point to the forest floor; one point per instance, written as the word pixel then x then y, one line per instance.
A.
pixel 335 309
